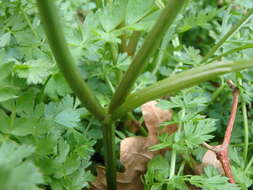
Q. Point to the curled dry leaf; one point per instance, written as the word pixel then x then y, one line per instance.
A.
pixel 210 159
pixel 134 152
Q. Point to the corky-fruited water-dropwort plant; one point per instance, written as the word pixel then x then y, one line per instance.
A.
pixel 122 102
pixel 110 54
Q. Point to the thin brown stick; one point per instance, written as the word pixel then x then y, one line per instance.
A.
pixel 222 150
pixel 231 118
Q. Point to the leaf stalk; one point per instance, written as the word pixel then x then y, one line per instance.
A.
pixel 65 61
pixel 151 42
pixel 180 81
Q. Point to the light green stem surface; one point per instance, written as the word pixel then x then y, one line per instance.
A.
pixel 173 163
pixel 180 81
pixel 246 131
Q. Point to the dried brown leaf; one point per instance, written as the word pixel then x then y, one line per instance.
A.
pixel 210 159
pixel 134 152
pixel 154 116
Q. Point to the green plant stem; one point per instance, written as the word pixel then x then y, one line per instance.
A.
pixel 109 1
pixel 246 131
pixel 217 92
pixel 133 41
pixel 110 158
pixel 241 144
pixel 247 46
pixel 236 27
pixel 245 124
pixel 173 163
pixel 114 52
pixel 65 61
pixel 180 81
pixel 181 168
pixel 161 53
pixel 29 23
pixel 107 80
pixel 42 90
pixel 150 44
pixel 13 118
pixel 249 165
pixel 123 39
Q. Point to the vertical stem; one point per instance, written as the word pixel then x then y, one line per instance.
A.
pixel 246 131
pixel 231 120
pixel 221 151
pixel 236 27
pixel 110 158
pixel 246 126
pixel 173 163
pixel 123 39
pixel 161 53
pixel 99 3
pixel 133 41
pixel 13 117
pixel 114 52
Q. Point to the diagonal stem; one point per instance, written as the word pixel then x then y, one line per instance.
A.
pixel 65 61
pixel 67 66
pixel 151 42
pixel 234 29
pixel 247 46
pixel 180 81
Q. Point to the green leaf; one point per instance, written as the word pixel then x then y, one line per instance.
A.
pixel 26 38
pixel 8 93
pixel 12 154
pixel 112 15
pixel 201 18
pixel 136 10
pixel 5 39
pixel 68 167
pixel 197 133
pixel 212 181
pixel 15 172
pixel 68 118
pixel 64 113
pixel 57 86
pixel 35 71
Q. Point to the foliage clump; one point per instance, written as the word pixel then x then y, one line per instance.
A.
pixel 48 140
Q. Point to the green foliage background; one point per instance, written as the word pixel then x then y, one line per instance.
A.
pixel 48 141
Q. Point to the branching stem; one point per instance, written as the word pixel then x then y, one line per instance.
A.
pixel 151 42
pixel 222 150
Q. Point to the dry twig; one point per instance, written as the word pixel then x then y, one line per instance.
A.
pixel 221 151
